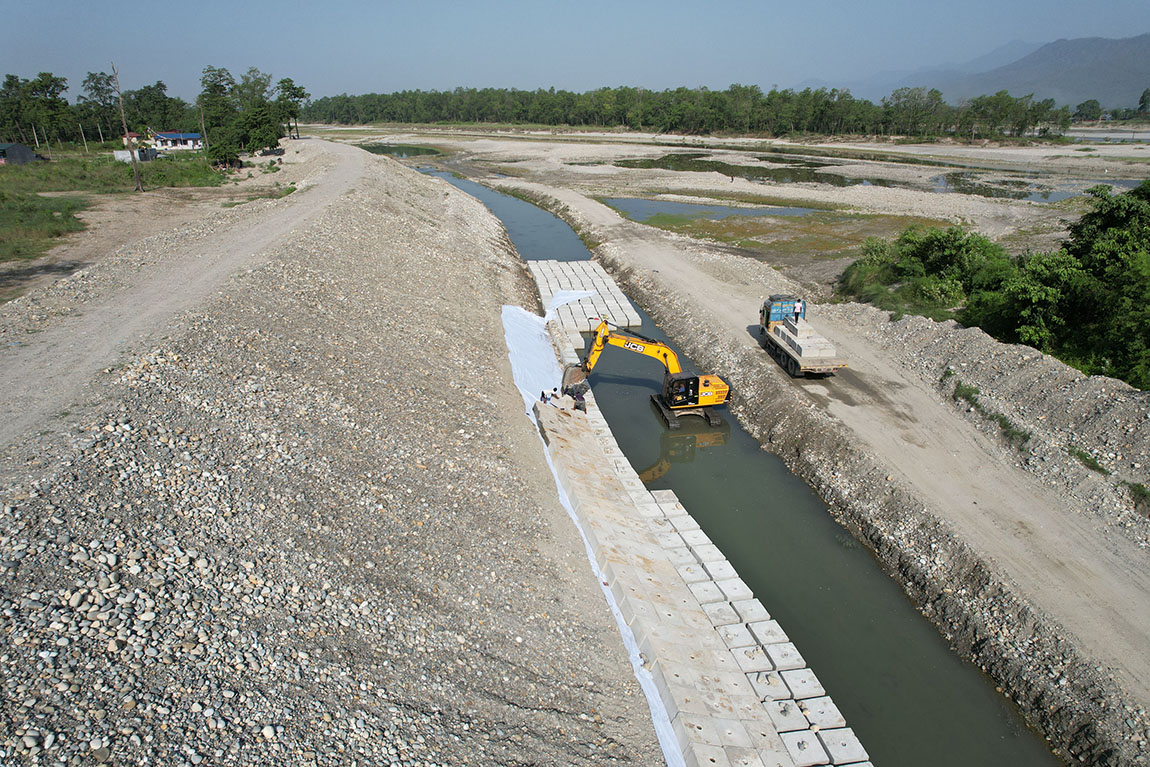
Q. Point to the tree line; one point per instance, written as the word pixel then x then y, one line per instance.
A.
pixel 738 109
pixel 1087 303
pixel 245 114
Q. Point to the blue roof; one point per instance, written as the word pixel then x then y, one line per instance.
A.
pixel 178 135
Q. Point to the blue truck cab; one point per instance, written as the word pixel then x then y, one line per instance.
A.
pixel 778 308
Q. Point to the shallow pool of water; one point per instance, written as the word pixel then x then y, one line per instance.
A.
pixel 400 150
pixel 642 210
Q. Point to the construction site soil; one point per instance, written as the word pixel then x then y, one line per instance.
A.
pixel 239 457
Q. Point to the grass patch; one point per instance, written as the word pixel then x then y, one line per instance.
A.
pixel 1141 496
pixel 29 223
pixel 1088 460
pixel 821 235
pixel 101 173
pixel 1013 435
pixel 273 194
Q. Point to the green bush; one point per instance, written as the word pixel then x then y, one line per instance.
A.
pixel 1087 303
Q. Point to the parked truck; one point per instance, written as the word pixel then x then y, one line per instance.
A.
pixel 792 342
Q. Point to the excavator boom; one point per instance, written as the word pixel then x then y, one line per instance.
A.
pixel 645 346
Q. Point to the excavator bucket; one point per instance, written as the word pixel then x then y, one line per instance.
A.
pixel 572 375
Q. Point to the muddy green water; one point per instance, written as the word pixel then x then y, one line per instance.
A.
pixel 907 696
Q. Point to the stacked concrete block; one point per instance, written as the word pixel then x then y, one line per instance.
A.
pixel 804 340
pixel 736 689
pixel 609 302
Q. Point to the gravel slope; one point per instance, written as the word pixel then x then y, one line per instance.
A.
pixel 306 521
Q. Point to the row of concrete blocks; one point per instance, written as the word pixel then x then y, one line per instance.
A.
pixel 736 690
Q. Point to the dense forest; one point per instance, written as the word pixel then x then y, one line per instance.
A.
pixel 35 110
pixel 1087 303
pixel 743 109
pixel 247 113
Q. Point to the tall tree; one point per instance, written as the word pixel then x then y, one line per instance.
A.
pixel 216 100
pixel 1088 110
pixel 290 99
pixel 99 100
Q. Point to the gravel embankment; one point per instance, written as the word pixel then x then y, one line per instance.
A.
pixel 1070 417
pixel 1078 705
pixel 313 527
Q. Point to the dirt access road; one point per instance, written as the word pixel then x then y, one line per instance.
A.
pixel 44 373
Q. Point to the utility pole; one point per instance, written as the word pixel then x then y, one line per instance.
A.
pixel 124 123
pixel 83 137
pixel 203 131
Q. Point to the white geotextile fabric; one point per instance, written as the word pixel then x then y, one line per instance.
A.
pixel 536 370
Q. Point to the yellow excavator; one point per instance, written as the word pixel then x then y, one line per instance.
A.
pixel 683 393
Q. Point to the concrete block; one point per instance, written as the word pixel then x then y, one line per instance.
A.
pixel 708 553
pixel 761 730
pixel 683 522
pixel 695 538
pixel 742 757
pixel 695 728
pixel 736 635
pixel 686 700
pixel 660 525
pixel 823 713
pixel 768 632
pixel 707 591
pixel 738 687
pixel 704 755
pixel 843 746
pixel 716 700
pixel 721 614
pixel 750 610
pixel 805 749
pixel 786 716
pixel 670 540
pixel 752 659
pixel 769 685
pixel 692 573
pixel 721 570
pixel 731 732
pixel 673 508
pixel 785 656
pixel 664 496
pixel 734 589
pixel 649 510
pixel 680 556
pixel 803 683
pixel 776 757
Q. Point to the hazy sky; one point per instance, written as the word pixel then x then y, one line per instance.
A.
pixel 360 46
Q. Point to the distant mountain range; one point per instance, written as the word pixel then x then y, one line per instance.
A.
pixel 1069 71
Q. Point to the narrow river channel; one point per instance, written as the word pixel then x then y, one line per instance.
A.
pixel 908 697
